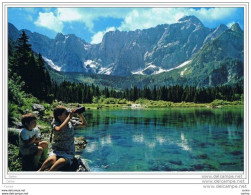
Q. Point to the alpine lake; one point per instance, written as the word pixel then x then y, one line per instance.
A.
pixel 170 139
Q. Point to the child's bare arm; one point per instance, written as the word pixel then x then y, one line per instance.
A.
pixel 30 141
pixel 83 120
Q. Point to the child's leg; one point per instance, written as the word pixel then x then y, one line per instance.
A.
pixel 37 156
pixel 59 164
pixel 30 153
pixel 44 145
pixel 49 161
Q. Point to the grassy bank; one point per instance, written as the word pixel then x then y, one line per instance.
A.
pixel 163 104
pixel 145 103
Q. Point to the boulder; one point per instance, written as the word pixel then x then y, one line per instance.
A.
pixel 36 112
pixel 78 165
pixel 80 143
pixel 38 107
pixel 17 123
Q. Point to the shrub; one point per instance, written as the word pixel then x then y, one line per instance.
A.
pixel 14 161
pixel 15 93
pixel 123 101
pixel 13 114
pixel 95 100
pixel 110 101
pixel 142 101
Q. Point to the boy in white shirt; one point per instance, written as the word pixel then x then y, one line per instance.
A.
pixel 29 141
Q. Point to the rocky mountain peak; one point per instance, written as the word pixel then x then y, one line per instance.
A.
pixel 236 27
pixel 191 19
pixel 70 38
pixel 216 32
pixel 13 32
pixel 59 37
pixel 222 27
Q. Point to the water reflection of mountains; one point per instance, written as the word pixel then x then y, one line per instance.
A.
pixel 165 139
pixel 178 118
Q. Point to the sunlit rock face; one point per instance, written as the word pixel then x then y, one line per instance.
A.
pixel 148 52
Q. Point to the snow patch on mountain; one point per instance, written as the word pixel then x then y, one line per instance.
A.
pixel 183 64
pixel 96 67
pixel 182 72
pixel 66 37
pixel 91 64
pixel 87 46
pixel 152 69
pixel 106 70
pixel 51 64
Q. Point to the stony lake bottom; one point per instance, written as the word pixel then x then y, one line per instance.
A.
pixel 175 139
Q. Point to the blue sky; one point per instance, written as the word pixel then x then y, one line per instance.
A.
pixel 91 24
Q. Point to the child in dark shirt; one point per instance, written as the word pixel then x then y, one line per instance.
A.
pixel 63 148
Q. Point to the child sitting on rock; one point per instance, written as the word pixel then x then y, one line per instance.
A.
pixel 29 141
pixel 63 148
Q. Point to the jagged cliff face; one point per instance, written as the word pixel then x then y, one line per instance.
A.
pixel 148 51
pixel 220 61
pixel 153 50
pixel 178 43
pixel 68 52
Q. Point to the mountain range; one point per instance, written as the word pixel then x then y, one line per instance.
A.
pixel 186 53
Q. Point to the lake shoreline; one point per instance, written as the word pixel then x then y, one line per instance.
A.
pixel 44 117
pixel 148 104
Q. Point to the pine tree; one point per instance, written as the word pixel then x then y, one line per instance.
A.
pixel 22 55
pixel 154 93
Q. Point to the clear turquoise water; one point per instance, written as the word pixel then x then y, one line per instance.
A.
pixel 177 139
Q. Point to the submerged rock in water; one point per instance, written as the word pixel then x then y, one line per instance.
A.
pixel 176 162
pixel 236 153
pixel 199 167
pixel 201 156
pixel 227 163
pixel 80 143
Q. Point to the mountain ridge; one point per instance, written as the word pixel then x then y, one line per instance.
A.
pixel 123 53
pixel 216 59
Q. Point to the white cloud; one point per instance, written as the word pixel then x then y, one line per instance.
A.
pixel 84 15
pixel 133 18
pixel 212 15
pixel 229 25
pixel 97 38
pixel 215 13
pixel 48 20
pixel 146 18
pixel 89 15
pixel 68 14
